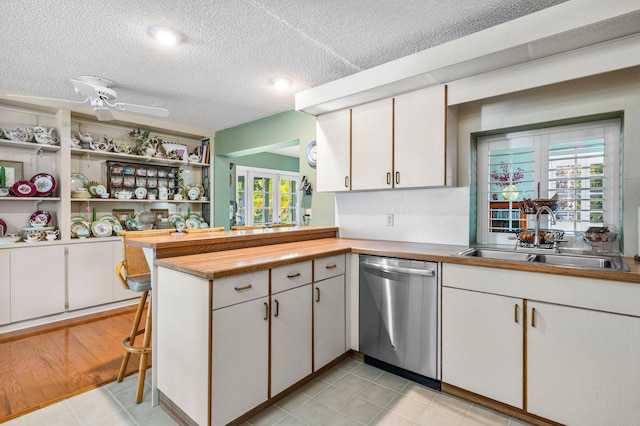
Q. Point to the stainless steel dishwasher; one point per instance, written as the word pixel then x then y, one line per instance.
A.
pixel 399 317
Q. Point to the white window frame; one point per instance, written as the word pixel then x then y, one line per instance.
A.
pixel 249 174
pixel 539 140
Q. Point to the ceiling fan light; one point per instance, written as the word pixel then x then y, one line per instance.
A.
pixel 165 35
pixel 103 113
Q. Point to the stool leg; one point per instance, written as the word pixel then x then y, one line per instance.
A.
pixel 132 336
pixel 144 356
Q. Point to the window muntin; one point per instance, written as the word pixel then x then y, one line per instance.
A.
pixel 581 163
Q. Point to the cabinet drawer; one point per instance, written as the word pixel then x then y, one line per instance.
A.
pixel 240 288
pixel 328 267
pixel 290 276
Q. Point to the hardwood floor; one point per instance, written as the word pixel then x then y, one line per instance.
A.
pixel 42 365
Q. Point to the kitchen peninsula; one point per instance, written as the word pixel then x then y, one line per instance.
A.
pixel 223 311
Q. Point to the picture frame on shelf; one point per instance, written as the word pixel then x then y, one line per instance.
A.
pixel 123 215
pixel 160 213
pixel 13 171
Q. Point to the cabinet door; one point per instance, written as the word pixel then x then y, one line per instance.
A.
pixel 333 163
pixel 37 282
pixel 91 274
pixel 239 359
pixel 420 138
pixel 371 141
pixel 290 337
pixel 482 337
pixel 583 365
pixel 328 321
pixel 5 286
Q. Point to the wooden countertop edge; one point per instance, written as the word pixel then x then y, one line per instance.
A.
pixel 213 265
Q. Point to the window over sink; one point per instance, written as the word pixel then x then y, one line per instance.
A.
pixel 577 164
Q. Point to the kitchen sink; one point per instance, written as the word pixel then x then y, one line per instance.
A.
pixel 498 254
pixel 570 260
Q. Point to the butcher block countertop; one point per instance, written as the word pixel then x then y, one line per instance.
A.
pixel 232 262
pixel 180 244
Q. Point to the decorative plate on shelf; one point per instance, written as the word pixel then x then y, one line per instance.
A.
pixel 24 188
pixel 80 229
pixel 193 193
pixel 180 225
pixel 131 224
pixel 91 187
pixel 192 223
pixel 3 228
pixel 45 184
pixel 78 180
pixel 100 190
pixel 101 228
pixel 140 192
pixel 109 218
pixel 117 228
pixel 75 219
pixel 199 188
pixel 40 218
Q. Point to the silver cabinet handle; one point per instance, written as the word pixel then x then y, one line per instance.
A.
pixel 397 177
pixel 317 294
pixel 390 268
pixel 331 266
pixel 246 287
pixel 296 275
pixel 515 312
pixel 346 181
pixel 388 178
pixel 277 312
pixel 266 311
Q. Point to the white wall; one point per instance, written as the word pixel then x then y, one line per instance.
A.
pixel 433 215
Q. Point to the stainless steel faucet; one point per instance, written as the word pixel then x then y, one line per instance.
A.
pixel 536 238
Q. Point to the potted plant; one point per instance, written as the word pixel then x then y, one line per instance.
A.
pixel 506 179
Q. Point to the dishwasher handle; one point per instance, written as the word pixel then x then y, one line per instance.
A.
pixel 399 269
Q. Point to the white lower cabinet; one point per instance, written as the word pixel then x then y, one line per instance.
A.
pixel 37 282
pixel 290 337
pixel 583 365
pixel 582 340
pixel 482 344
pixel 328 320
pixel 5 286
pixel 239 359
pixel 91 274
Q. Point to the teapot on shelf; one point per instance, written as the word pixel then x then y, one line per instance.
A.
pixel 43 136
pixel 86 139
pixel 17 134
pixel 101 145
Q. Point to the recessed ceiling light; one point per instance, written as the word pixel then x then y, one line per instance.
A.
pixel 165 35
pixel 281 83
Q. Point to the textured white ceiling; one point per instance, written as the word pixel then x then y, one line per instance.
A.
pixel 220 76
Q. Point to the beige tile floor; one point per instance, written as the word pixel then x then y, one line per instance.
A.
pixel 352 393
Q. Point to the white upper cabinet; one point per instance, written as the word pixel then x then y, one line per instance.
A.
pixel 391 143
pixel 372 137
pixel 333 141
pixel 420 138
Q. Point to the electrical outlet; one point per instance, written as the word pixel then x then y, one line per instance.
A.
pixel 389 219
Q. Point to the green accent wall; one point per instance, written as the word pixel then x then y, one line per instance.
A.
pixel 246 145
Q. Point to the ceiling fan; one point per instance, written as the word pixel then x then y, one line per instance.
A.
pixel 99 94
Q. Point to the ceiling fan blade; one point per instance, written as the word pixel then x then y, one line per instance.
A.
pixel 48 99
pixel 86 89
pixel 142 109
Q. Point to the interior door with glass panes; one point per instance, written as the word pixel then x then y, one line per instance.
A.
pixel 266 197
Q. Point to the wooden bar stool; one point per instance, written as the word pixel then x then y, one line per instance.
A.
pixel 138 279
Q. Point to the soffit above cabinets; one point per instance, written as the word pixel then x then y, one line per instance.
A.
pixel 526 39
